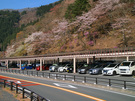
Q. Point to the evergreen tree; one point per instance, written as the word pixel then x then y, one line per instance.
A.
pixel 76 9
pixel 8 27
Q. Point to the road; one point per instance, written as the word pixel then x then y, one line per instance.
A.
pixel 126 82
pixel 118 77
pixel 63 91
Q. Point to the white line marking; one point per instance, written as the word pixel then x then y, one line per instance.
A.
pixel 64 85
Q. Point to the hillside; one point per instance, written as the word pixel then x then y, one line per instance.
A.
pixel 104 24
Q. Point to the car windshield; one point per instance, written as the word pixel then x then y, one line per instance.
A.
pixel 68 65
pixel 111 65
pixel 97 66
pixel 61 65
pixel 125 64
pixel 85 65
pixel 50 67
pixel 54 65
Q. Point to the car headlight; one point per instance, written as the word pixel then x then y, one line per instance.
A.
pixel 109 71
pixel 128 69
pixel 82 69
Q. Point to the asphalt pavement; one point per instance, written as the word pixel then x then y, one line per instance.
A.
pixel 5 96
pixel 67 91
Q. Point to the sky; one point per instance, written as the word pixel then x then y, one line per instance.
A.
pixel 20 4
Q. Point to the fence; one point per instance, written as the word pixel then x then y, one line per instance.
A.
pixel 130 85
pixel 24 91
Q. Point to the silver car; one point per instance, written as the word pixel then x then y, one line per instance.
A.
pixel 97 69
pixel 53 68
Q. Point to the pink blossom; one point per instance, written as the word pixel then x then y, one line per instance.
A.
pixel 91 43
pixel 86 33
pixel 62 47
pixel 115 47
pixel 75 40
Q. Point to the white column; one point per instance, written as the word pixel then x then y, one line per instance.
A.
pixel 74 65
pixel 60 60
pixel 88 60
pixel 40 64
pixel 7 64
pixel 28 61
pixel 43 61
pixel 127 58
pixel 20 64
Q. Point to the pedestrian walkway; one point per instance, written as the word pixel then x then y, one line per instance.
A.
pixel 5 96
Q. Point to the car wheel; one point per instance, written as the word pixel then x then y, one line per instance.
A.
pixel 133 73
pixel 100 72
pixel 87 72
pixel 64 70
pixel 55 70
pixel 59 71
pixel 114 72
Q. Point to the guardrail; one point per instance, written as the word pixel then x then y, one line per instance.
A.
pixel 20 89
pixel 77 78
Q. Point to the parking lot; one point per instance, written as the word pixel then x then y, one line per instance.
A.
pixel 46 70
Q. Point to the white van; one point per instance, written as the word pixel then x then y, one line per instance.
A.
pixel 127 68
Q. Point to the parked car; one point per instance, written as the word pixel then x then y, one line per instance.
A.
pixel 44 67
pixel 2 64
pixel 38 68
pixel 127 68
pixel 84 69
pixel 35 65
pixel 13 65
pixel 63 68
pixel 27 66
pixel 70 69
pixel 97 69
pixel 80 64
pixel 111 69
pixel 54 68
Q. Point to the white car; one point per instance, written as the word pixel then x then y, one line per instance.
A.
pixel 111 69
pixel 127 68
pixel 63 68
pixel 53 68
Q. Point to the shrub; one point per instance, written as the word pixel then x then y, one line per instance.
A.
pixel 23 13
pixel 76 9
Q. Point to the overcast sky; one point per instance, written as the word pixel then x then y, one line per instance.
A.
pixel 20 4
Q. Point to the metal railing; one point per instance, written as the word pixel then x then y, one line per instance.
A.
pixel 92 52
pixel 124 84
pixel 24 91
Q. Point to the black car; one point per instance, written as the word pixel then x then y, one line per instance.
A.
pixel 97 69
pixel 70 69
pixel 84 69
pixel 13 65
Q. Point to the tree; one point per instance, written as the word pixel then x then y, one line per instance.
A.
pixel 8 27
pixel 76 9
